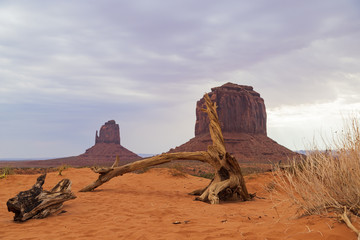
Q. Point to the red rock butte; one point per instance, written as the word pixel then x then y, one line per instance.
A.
pixel 240 110
pixel 107 147
pixel 242 116
pixel 103 153
pixel 109 133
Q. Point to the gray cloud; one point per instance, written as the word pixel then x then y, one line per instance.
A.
pixel 65 62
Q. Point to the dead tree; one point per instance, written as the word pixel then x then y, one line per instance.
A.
pixel 38 203
pixel 228 182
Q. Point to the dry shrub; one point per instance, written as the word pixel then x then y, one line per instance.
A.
pixel 5 171
pixel 327 180
pixel 62 168
pixel 177 170
pixel 177 173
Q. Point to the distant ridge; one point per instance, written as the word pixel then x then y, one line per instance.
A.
pixel 24 159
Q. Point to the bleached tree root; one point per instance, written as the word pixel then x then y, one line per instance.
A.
pixel 107 174
pixel 344 217
pixel 228 182
pixel 38 203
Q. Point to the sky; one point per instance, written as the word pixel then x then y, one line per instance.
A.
pixel 67 67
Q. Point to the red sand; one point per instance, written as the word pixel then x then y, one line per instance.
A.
pixel 145 206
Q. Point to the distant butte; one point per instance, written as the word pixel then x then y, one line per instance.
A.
pixel 103 153
pixel 109 133
pixel 242 115
pixel 107 147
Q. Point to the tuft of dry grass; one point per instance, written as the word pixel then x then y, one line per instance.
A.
pixel 327 180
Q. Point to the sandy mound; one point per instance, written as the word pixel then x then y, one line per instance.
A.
pixel 146 206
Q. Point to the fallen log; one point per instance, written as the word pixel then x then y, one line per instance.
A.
pixel 228 182
pixel 39 203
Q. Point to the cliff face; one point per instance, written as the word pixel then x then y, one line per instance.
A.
pixel 242 116
pixel 109 133
pixel 240 110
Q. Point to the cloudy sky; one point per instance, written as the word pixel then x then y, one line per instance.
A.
pixel 67 67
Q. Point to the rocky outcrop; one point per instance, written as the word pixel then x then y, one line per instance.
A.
pixel 242 115
pixel 107 147
pixel 109 133
pixel 240 110
pixel 247 148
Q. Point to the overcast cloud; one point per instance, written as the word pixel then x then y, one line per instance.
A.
pixel 67 67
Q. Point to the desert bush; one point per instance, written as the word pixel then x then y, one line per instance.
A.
pixel 5 171
pixel 177 173
pixel 62 168
pixel 327 180
pixel 143 170
pixel 208 175
pixel 177 170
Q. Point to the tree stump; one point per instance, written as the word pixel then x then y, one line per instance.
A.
pixel 228 182
pixel 39 203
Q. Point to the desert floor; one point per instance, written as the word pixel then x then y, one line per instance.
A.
pixel 146 206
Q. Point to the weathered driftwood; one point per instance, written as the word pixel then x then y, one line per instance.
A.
pixel 39 203
pixel 344 217
pixel 228 182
